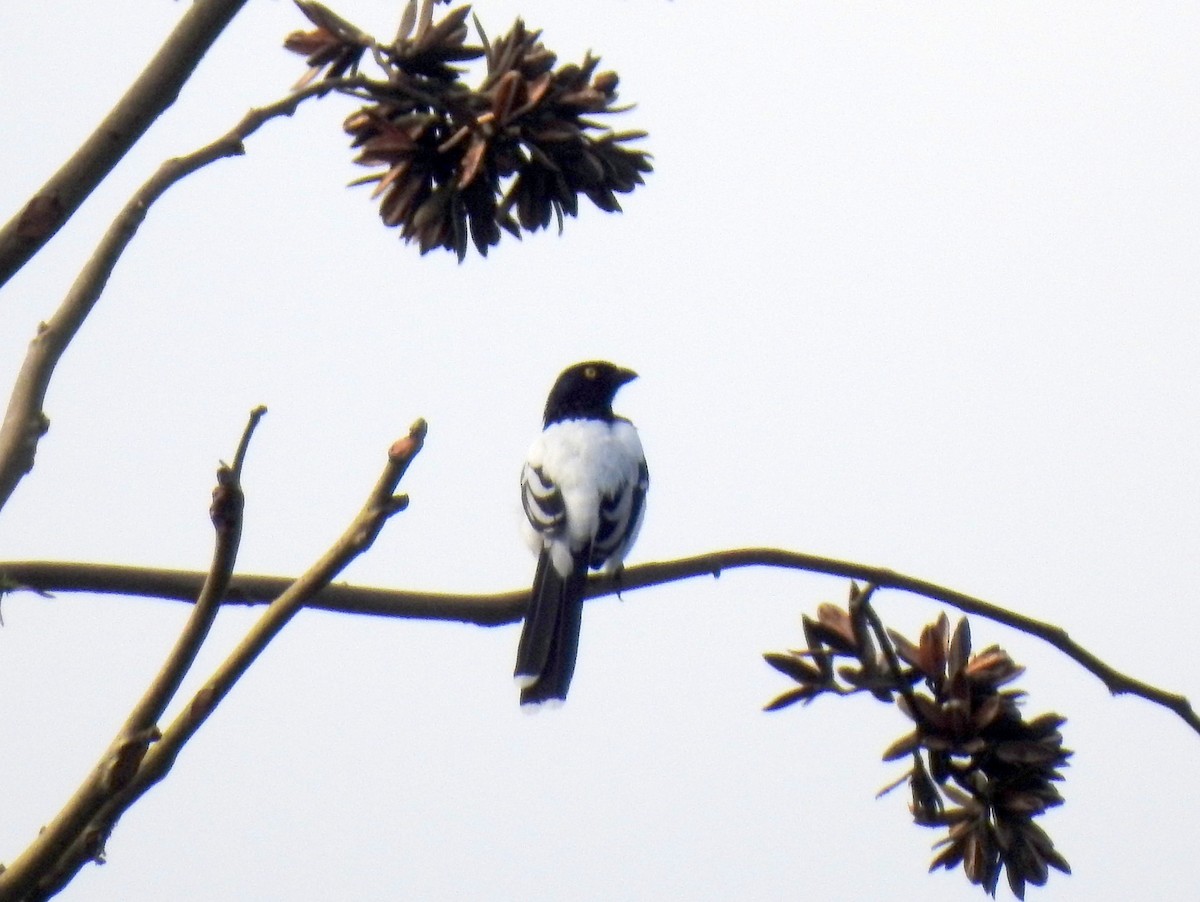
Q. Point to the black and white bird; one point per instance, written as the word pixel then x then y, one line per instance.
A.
pixel 583 488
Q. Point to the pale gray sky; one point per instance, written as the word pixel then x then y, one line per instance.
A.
pixel 913 284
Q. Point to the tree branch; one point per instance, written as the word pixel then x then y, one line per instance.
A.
pixel 24 422
pixel 125 753
pixel 88 842
pixel 508 607
pixel 147 98
pixel 226 513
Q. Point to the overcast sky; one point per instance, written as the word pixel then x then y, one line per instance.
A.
pixel 913 284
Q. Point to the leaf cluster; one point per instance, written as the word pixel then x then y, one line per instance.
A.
pixel 978 767
pixel 456 160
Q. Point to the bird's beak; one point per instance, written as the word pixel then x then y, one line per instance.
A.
pixel 624 376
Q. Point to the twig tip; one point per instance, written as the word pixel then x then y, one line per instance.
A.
pixel 406 448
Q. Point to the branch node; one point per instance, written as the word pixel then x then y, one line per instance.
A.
pixel 228 502
pixel 93 841
pixel 126 759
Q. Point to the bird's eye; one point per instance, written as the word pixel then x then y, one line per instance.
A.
pixel 590 373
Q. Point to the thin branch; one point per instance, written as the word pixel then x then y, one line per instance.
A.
pixel 124 755
pixel 495 609
pixel 24 421
pixel 926 799
pixel 380 505
pixel 147 98
pixel 508 607
pixel 888 648
pixel 896 670
pixel 226 514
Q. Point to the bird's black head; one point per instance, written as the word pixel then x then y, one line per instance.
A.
pixel 586 391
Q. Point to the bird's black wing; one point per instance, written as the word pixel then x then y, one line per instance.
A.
pixel 620 518
pixel 550 636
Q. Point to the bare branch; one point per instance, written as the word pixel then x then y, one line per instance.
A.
pixel 24 422
pixel 381 504
pixel 147 98
pixel 509 607
pixel 124 755
pixel 226 513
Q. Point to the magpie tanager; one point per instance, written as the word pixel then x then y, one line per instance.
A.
pixel 583 489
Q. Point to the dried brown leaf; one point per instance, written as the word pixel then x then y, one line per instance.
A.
pixel 838 620
pixel 407 20
pixel 803 694
pixel 905 745
pixel 472 161
pixel 960 647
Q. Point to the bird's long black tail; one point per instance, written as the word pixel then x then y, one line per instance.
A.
pixel 550 637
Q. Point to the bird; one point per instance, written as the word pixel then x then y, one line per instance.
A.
pixel 583 488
